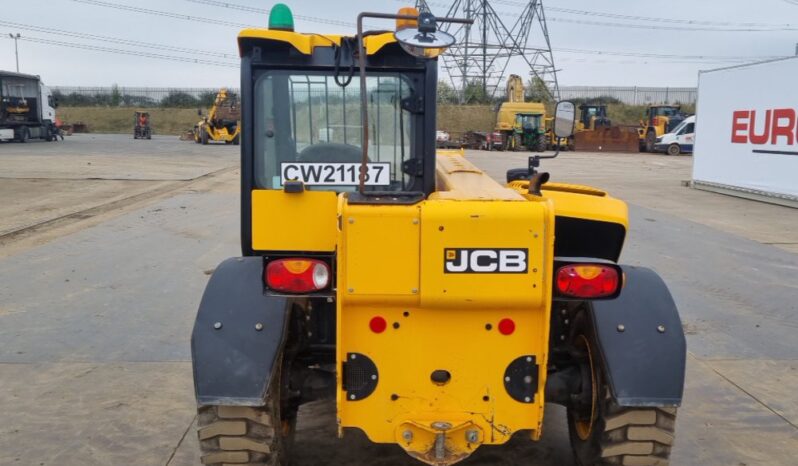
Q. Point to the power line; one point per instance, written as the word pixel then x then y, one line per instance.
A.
pixel 250 9
pixel 690 25
pixel 117 40
pixel 136 53
pixel 653 19
pixel 200 19
pixel 667 56
pixel 665 28
pixel 167 14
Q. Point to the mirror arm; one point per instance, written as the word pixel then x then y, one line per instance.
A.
pixel 556 151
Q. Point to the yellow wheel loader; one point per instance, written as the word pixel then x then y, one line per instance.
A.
pixel 659 120
pixel 440 309
pixel 595 133
pixel 223 121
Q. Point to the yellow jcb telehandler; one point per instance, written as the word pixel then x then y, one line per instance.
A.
pixel 440 309
pixel 222 123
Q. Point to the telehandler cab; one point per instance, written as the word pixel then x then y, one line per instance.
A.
pixel 439 308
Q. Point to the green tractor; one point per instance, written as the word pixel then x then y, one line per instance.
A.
pixel 528 132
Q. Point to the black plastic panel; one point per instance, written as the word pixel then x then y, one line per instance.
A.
pixel 579 237
pixel 521 379
pixel 360 376
pixel 641 341
pixel 237 336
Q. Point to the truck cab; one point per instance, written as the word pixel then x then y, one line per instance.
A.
pixel 27 108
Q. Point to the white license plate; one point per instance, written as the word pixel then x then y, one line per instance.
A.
pixel 335 174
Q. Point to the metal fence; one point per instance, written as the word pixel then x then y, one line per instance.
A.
pixel 135 96
pixel 632 95
pixel 203 97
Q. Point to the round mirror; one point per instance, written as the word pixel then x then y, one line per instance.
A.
pixel 424 44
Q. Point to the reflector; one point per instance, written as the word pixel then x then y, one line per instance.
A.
pixel 378 324
pixel 506 326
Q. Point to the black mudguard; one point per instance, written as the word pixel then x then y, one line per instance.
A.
pixel 233 361
pixel 640 337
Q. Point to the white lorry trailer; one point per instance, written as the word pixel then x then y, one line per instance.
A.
pixel 27 108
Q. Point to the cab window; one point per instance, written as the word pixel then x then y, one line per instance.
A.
pixel 308 128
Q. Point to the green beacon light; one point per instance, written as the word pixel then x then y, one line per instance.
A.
pixel 281 18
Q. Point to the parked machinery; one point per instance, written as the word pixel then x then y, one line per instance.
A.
pixel 595 132
pixel 141 125
pixel 27 108
pixel 521 123
pixel 592 117
pixel 552 141
pixel 438 307
pixel 659 120
pixel 222 123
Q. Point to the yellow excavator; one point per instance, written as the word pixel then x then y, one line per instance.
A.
pixel 521 124
pixel 223 121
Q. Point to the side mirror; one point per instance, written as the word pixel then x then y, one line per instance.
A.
pixel 564 119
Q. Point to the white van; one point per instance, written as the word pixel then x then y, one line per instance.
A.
pixel 678 141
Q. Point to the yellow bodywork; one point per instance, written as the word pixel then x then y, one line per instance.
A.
pixel 390 264
pixel 305 43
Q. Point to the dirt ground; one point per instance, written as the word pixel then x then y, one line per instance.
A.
pixel 106 244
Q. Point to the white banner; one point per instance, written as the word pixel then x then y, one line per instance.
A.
pixel 747 128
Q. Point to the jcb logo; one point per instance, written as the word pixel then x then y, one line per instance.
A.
pixel 473 260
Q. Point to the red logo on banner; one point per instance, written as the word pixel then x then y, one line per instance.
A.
pixel 777 126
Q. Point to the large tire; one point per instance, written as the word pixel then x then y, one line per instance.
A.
pixel 203 136
pixel 541 143
pixel 243 434
pixel 651 139
pixel 24 134
pixel 607 434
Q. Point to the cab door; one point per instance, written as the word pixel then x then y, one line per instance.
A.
pixel 686 137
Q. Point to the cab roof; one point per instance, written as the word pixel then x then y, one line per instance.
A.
pixel 305 43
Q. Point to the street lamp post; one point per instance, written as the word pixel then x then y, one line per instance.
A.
pixel 16 50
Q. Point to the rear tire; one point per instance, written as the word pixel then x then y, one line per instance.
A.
pixel 608 434
pixel 245 434
pixel 625 436
pixel 651 139
pixel 24 134
pixel 203 136
pixel 541 144
pixel 674 149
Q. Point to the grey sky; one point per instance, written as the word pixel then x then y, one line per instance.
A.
pixel 61 65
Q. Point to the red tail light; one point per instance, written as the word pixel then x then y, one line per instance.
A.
pixel 588 280
pixel 297 275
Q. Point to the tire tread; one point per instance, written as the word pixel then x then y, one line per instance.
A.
pixel 238 435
